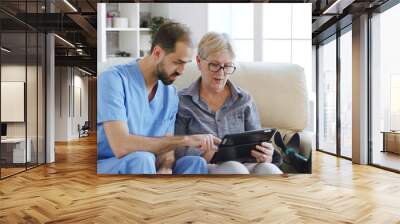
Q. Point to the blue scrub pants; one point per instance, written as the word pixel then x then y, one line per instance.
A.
pixel 144 163
pixel 190 165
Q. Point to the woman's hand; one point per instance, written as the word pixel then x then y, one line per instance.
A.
pixel 263 153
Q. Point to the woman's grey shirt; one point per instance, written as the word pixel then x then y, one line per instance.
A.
pixel 238 114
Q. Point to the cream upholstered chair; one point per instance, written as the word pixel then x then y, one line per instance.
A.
pixel 279 91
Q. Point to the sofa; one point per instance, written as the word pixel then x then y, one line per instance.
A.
pixel 280 93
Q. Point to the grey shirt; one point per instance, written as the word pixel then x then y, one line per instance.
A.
pixel 238 114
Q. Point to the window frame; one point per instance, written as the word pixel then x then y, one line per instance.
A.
pixel 336 36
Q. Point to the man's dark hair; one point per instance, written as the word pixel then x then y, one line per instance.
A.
pixel 169 34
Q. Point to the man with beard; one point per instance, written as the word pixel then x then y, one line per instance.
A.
pixel 137 108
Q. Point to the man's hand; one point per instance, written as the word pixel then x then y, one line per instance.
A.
pixel 123 143
pixel 204 142
pixel 209 154
pixel 165 161
pixel 263 153
pixel 164 170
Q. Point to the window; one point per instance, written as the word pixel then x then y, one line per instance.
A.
pixel 346 94
pixel 327 97
pixel 394 101
pixel 385 86
pixel 287 35
pixel 237 20
pixel 277 51
pixel 277 21
pixel 285 31
pixel 279 33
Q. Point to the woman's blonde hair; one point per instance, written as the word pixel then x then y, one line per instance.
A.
pixel 213 43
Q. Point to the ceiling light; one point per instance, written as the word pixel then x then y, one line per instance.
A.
pixel 64 40
pixel 5 49
pixel 338 6
pixel 84 71
pixel 70 5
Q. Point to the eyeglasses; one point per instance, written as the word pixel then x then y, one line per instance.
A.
pixel 214 67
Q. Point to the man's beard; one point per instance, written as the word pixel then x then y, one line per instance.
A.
pixel 163 76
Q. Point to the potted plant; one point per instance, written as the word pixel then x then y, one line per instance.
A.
pixel 155 24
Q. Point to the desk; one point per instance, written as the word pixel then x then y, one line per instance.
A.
pixel 391 141
pixel 13 150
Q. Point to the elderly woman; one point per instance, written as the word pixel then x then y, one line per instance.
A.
pixel 215 105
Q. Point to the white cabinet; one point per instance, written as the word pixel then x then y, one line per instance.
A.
pixel 128 32
pixel 15 148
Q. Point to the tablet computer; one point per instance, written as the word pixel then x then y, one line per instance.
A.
pixel 237 147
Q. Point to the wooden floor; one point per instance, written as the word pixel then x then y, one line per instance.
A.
pixel 69 191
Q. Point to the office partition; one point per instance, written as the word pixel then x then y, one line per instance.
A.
pixel 22 77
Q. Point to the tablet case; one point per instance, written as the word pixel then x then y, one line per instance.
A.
pixel 237 147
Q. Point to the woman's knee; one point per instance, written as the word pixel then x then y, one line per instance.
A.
pixel 230 167
pixel 266 168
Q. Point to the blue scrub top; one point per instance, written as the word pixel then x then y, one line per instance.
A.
pixel 122 96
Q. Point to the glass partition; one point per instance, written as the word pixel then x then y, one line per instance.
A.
pixel 14 152
pixel 22 78
pixel 31 99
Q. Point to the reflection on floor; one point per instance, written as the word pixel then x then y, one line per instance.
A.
pixel 346 151
pixel 9 171
pixel 387 159
pixel 13 169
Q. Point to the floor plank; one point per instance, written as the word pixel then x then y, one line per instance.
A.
pixel 70 191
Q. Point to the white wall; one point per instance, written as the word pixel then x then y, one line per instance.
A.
pixel 68 82
pixel 61 103
pixel 81 83
pixel 17 73
pixel 33 126
pixel 193 15
pixel 14 73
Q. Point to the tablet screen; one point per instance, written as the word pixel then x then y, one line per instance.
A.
pixel 248 137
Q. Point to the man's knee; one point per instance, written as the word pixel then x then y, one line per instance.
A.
pixel 139 163
pixel 145 157
pixel 198 160
pixel 191 165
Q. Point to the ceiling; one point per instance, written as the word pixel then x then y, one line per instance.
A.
pixel 332 15
pixel 77 24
